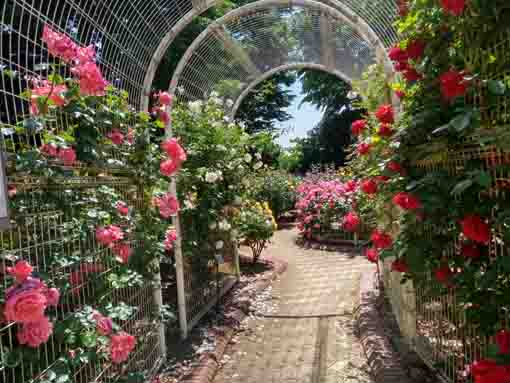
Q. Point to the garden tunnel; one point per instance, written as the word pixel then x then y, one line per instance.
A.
pixel 130 38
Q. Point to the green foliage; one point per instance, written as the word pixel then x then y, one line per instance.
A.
pixel 277 188
pixel 256 225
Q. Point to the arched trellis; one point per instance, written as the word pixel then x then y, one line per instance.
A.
pixel 249 88
pixel 378 16
pixel 229 43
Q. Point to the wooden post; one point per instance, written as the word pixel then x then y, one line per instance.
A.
pixel 179 265
pixel 4 198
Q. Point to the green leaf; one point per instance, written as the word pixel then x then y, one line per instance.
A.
pixel 63 378
pixel 88 339
pixel 484 179
pixel 461 187
pixel 462 121
pixel 496 87
pixel 12 358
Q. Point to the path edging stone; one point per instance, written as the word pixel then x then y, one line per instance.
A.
pixel 384 361
pixel 209 363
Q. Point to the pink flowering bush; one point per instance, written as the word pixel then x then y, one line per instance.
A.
pixel 326 206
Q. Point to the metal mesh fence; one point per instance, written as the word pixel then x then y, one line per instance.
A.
pixel 240 48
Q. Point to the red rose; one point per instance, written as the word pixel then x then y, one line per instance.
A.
pixel 381 240
pixel 395 167
pixel 401 66
pixel 406 201
pixel 443 274
pixel 470 250
pixel 351 222
pixel 454 7
pixel 364 148
pixel 369 186
pixel 397 54
pixel 403 8
pixel 488 371
pixel 400 266
pixel 372 255
pixel 33 334
pixel 453 84
pixel 412 74
pixel 358 126
pixel 400 94
pixel 385 130
pixel 382 178
pixel 121 345
pixel 415 49
pixel 503 341
pixel 476 229
pixel 385 114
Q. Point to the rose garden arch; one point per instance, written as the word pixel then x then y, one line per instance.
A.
pixel 130 37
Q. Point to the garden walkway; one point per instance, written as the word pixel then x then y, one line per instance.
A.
pixel 309 336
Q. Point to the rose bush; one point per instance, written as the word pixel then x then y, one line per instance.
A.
pixel 448 220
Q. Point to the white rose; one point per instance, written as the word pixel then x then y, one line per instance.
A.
pixel 258 156
pixel 180 89
pixel 211 177
pixel 247 157
pixel 238 200
pixel 213 226
pixel 221 148
pixel 219 245
pixel 216 124
pixel 258 165
pixel 224 226
pixel 195 106
pixel 214 94
pixel 229 103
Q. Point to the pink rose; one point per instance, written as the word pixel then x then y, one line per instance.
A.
pixel 33 334
pixel 121 346
pixel 130 137
pixel 104 324
pixel 170 238
pixel 21 271
pixel 52 296
pixel 54 93
pixel 168 205
pixel 25 306
pixel 164 98
pixel 67 156
pixel 123 251
pixel 116 136
pixel 109 234
pixel 174 150
pixel 122 208
pixel 49 150
pixel 169 167
pixel 59 44
pixel 85 55
pixel 91 80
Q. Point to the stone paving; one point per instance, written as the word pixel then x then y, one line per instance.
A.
pixel 308 336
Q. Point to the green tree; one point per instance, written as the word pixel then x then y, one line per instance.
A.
pixel 266 104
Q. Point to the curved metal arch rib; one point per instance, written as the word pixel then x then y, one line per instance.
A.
pixel 340 75
pixel 345 6
pixel 364 36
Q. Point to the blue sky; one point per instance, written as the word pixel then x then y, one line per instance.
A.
pixel 303 119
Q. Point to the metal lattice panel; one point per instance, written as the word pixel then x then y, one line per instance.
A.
pixel 239 49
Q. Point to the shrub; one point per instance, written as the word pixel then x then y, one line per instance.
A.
pixel 256 226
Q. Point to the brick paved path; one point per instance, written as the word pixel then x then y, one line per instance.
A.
pixel 309 336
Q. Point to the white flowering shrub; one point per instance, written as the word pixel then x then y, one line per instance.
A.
pixel 214 179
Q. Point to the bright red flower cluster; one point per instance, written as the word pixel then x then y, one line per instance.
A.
pixel 400 266
pixel 385 114
pixel 454 7
pixel 488 371
pixel 372 255
pixel 176 156
pixel 358 126
pixel 453 84
pixel 381 240
pixel 406 201
pixel 475 228
pixel 369 186
pixel 364 148
pixel 351 222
